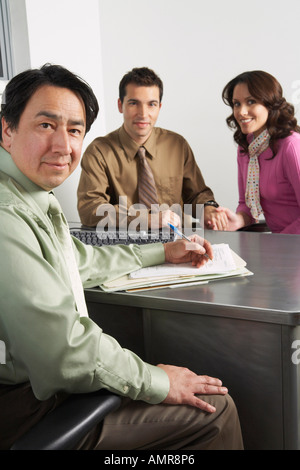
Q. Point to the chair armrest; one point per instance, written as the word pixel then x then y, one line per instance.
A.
pixel 68 423
pixel 261 226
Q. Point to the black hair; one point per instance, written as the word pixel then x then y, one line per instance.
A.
pixel 142 77
pixel 21 87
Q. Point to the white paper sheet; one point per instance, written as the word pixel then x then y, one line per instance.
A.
pixel 223 262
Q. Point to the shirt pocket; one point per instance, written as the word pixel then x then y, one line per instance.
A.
pixel 169 189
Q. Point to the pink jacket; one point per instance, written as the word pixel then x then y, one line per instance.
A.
pixel 279 185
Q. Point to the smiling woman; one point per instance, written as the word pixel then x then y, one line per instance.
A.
pixel 250 114
pixel 263 89
pixel 267 134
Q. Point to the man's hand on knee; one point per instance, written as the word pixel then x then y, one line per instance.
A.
pixel 185 385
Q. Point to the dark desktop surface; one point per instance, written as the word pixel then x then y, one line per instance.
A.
pixel 245 331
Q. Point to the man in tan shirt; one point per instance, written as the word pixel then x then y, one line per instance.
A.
pixel 110 165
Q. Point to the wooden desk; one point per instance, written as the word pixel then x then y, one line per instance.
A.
pixel 240 330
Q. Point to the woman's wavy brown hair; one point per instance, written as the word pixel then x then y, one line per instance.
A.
pixel 265 89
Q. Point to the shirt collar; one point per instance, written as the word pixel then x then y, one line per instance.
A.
pixel 131 147
pixel 8 166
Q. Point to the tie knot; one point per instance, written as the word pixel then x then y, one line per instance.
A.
pixel 54 206
pixel 142 152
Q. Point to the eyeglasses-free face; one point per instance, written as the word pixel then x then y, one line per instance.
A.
pixel 250 114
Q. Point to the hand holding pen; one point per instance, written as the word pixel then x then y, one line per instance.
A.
pixel 200 251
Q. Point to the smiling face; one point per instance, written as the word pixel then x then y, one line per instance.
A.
pixel 250 114
pixel 46 145
pixel 140 110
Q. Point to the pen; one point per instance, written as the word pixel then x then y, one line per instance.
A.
pixel 180 234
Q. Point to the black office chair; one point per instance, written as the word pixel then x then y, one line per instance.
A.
pixel 64 427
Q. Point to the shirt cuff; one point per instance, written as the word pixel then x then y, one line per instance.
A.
pixel 159 387
pixel 152 254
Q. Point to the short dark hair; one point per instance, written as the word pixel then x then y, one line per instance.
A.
pixel 142 77
pixel 21 87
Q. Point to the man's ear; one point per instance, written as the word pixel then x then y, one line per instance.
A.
pixel 120 105
pixel 6 134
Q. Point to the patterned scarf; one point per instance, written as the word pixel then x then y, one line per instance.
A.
pixel 257 146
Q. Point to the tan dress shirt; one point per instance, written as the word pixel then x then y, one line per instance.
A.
pixel 110 170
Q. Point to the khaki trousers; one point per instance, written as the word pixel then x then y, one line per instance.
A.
pixel 139 426
pixel 134 426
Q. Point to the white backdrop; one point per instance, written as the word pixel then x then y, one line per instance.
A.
pixel 195 46
pixel 67 32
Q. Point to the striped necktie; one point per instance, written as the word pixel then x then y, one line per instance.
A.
pixel 146 183
pixel 62 232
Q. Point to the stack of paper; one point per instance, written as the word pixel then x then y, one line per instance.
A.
pixel 225 263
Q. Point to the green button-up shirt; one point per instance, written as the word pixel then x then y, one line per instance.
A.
pixel 46 340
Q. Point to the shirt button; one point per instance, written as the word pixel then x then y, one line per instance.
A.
pixel 125 388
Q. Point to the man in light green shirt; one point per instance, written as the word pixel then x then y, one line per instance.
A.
pixel 50 347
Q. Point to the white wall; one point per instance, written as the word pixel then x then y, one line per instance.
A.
pixel 195 46
pixel 67 32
